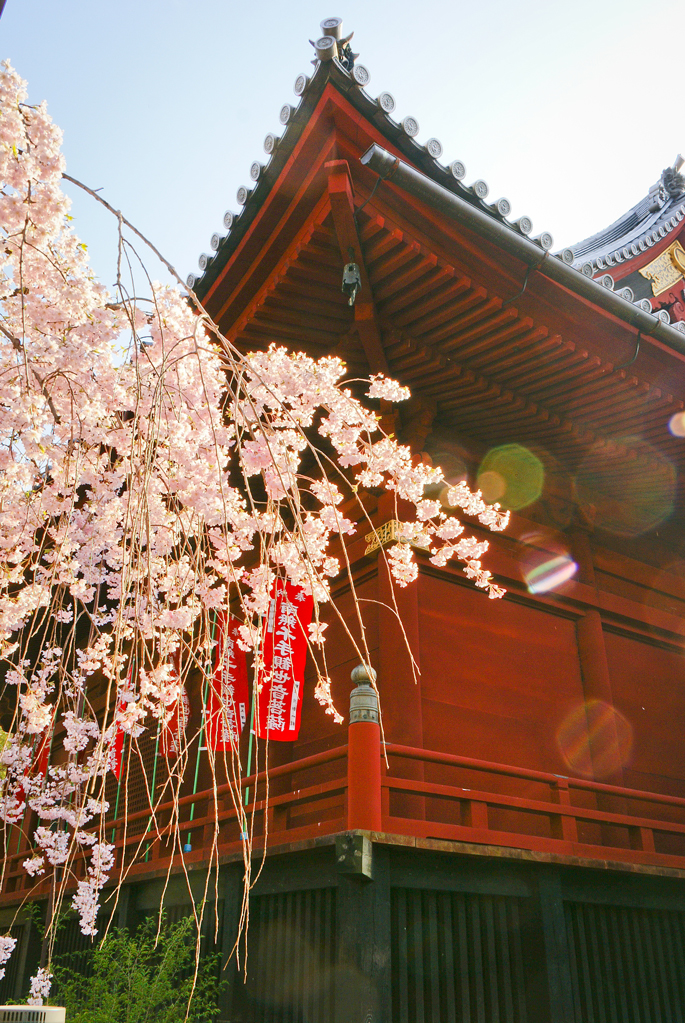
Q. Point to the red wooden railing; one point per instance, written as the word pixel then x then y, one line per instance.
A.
pixel 421 793
pixel 611 823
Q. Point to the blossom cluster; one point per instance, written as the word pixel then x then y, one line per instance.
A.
pixel 149 475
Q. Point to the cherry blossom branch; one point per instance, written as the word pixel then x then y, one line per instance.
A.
pixel 17 345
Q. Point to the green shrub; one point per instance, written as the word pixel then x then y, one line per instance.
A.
pixel 140 978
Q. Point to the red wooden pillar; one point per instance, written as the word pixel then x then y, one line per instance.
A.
pixel 400 681
pixel 594 669
pixel 364 754
pixel 597 682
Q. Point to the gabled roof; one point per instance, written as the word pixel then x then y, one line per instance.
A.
pixel 402 135
pixel 496 344
pixel 622 248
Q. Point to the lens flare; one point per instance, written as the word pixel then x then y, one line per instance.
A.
pixel 454 471
pixel 676 424
pixel 626 496
pixel 550 574
pixel 512 475
pixel 545 562
pixel 595 740
pixel 492 486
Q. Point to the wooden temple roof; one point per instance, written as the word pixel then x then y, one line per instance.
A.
pixel 644 229
pixel 499 351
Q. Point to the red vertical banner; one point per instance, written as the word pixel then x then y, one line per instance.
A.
pixel 172 734
pixel 284 654
pixel 228 695
pixel 117 747
pixel 42 752
pixel 41 757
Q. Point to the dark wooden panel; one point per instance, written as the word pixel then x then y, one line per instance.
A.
pixel 11 981
pixel 291 959
pixel 627 965
pixel 457 958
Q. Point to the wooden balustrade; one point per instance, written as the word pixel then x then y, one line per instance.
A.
pixel 472 810
pixel 552 821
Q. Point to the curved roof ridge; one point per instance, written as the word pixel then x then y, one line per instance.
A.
pixel 644 225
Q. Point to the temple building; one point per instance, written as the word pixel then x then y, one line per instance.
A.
pixel 515 852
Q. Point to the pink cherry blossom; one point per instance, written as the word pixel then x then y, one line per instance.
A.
pixel 151 474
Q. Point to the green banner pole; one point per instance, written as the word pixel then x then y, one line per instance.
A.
pixel 154 783
pixel 188 845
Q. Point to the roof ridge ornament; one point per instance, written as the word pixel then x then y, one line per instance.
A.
pixel 673 181
pixel 670 185
pixel 333 46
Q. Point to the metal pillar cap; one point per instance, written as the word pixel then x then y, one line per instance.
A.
pixel 363 699
pixel 363 674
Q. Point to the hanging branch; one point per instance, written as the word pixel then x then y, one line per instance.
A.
pixel 137 501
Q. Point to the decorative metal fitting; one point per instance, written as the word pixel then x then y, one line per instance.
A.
pixel 361 75
pixel 480 188
pixel 270 143
pixel 351 282
pixel 326 48
pixel 524 225
pixel 386 101
pixel 363 698
pixel 389 533
pixel 544 240
pixel 410 126
pixel 301 83
pixel 332 27
pixel 434 148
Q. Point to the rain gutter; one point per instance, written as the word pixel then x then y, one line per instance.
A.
pixel 422 187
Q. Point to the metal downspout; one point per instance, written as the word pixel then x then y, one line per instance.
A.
pixel 440 198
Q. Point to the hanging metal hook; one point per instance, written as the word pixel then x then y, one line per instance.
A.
pixel 531 269
pixel 624 365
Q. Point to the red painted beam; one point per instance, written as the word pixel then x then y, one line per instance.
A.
pixel 342 208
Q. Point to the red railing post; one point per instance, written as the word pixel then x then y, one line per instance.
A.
pixel 563 826
pixel 364 754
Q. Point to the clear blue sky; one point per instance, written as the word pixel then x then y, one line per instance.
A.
pixel 569 109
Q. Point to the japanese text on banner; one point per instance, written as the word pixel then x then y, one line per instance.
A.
pixel 228 691
pixel 284 654
pixel 116 753
pixel 175 722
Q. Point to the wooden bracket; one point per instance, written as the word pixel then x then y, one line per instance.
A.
pixel 365 318
pixel 418 415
